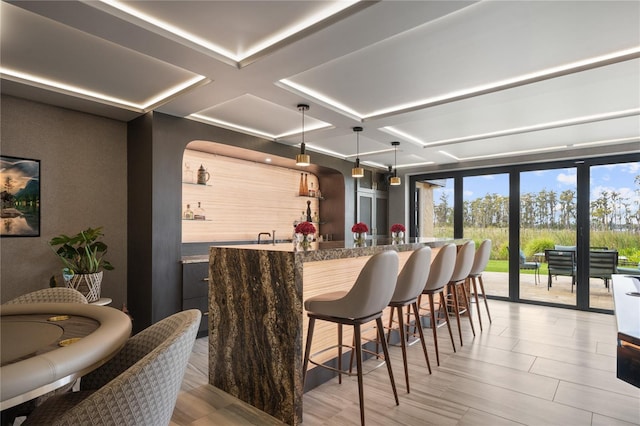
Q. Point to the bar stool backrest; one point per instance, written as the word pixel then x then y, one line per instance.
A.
pixel 374 286
pixel 464 261
pixel 481 258
pixel 441 268
pixel 413 276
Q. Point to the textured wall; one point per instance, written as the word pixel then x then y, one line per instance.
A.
pixel 83 173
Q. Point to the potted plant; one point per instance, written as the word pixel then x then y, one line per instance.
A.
pixel 83 258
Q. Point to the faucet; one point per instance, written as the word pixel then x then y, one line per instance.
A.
pixel 261 234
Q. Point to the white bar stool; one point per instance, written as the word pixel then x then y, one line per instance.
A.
pixel 409 286
pixel 370 294
pixel 439 275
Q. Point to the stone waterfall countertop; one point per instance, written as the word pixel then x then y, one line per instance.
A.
pixel 256 314
pixel 333 249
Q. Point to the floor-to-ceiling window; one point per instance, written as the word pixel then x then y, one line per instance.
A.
pixel 614 230
pixel 486 216
pixel 434 215
pixel 548 221
pixel 577 207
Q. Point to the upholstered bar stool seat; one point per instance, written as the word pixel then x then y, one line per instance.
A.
pixel 475 276
pixel 439 275
pixel 455 288
pixel 370 294
pixel 409 286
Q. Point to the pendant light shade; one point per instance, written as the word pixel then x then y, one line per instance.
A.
pixel 357 171
pixel 303 159
pixel 395 180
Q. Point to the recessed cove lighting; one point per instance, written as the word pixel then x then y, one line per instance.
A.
pixel 469 92
pixel 231 126
pixel 68 89
pixel 296 27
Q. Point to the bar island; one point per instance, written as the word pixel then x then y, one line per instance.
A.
pixel 257 322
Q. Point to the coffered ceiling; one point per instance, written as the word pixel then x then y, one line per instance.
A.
pixel 454 81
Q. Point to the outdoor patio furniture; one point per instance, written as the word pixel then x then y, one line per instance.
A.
pixel 603 263
pixel 525 265
pixel 561 262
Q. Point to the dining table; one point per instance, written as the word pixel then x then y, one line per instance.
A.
pixel 45 346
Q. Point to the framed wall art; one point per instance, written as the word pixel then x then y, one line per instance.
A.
pixel 20 193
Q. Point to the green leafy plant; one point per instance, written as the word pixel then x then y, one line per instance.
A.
pixel 82 253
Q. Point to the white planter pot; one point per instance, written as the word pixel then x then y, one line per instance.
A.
pixel 87 284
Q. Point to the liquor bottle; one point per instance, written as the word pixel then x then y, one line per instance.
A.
pixel 188 173
pixel 318 193
pixel 309 219
pixel 312 191
pixel 188 213
pixel 199 213
pixel 316 217
pixel 306 185
pixel 301 189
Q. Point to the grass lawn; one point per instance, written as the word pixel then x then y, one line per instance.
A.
pixel 503 266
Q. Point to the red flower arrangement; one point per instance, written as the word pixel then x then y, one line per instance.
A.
pixel 305 228
pixel 360 227
pixel 397 227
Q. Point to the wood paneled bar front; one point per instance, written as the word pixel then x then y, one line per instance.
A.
pixel 257 322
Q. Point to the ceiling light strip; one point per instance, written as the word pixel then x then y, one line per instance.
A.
pixel 320 126
pixel 405 166
pixel 537 127
pixel 67 89
pixel 174 33
pixel 332 13
pixel 175 91
pixel 325 151
pixel 534 77
pixel 608 141
pixel 319 98
pixel 363 154
pixel 231 126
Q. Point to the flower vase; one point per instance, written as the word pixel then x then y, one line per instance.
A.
pixel 304 241
pixel 360 238
pixel 397 236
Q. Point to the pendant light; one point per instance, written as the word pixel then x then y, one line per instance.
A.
pixel 303 159
pixel 357 171
pixel 395 180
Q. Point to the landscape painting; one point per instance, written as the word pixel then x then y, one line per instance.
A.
pixel 20 214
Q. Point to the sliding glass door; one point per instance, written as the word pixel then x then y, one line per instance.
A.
pixel 486 216
pixel 614 224
pixel 581 209
pixel 548 222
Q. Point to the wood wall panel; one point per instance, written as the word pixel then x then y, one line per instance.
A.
pixel 242 199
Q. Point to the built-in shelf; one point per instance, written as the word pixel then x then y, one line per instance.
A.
pixel 196 184
pixel 307 196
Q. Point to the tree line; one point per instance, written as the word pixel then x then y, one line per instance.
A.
pixel 546 209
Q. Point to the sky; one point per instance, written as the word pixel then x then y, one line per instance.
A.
pixel 618 177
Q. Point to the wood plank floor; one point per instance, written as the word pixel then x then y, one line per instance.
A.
pixel 533 366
